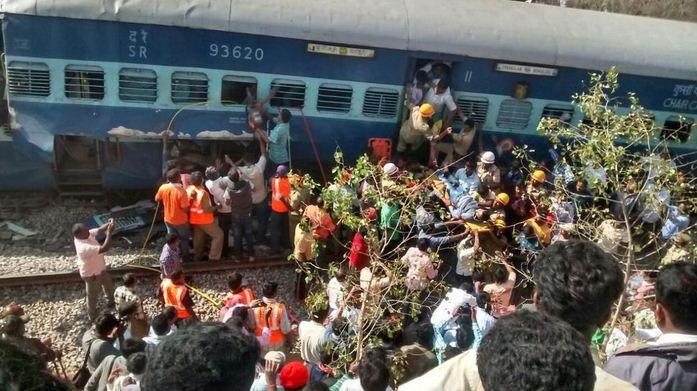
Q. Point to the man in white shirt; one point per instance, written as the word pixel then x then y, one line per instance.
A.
pixel 454 299
pixel 216 185
pixel 313 335
pixel 160 327
pixel 439 96
pixel 336 291
pixel 466 251
pixel 253 172
pixel 92 265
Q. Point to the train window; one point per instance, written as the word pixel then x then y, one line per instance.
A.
pixel 677 129
pixel 334 98
pixel 236 89
pixel 514 114
pixel 84 82
pixel 473 107
pixel 289 93
pixel 380 102
pixel 189 87
pixel 561 112
pixel 28 79
pixel 137 85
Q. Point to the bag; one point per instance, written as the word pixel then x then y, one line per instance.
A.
pixel 82 376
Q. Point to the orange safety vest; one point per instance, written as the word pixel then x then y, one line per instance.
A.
pixel 280 187
pixel 196 213
pixel 245 297
pixel 174 296
pixel 274 319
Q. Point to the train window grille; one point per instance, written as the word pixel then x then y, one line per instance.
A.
pixel 379 102
pixel 234 89
pixel 28 79
pixel 334 98
pixel 137 85
pixel 289 93
pixel 473 108
pixel 563 113
pixel 677 129
pixel 514 114
pixel 189 87
pixel 84 82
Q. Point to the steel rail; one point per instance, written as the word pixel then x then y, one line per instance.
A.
pixel 190 268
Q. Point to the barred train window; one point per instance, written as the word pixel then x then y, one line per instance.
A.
pixel 334 98
pixel 235 89
pixel 84 82
pixel 514 114
pixel 28 79
pixel 289 93
pixel 558 111
pixel 380 102
pixel 474 108
pixel 189 87
pixel 677 129
pixel 137 85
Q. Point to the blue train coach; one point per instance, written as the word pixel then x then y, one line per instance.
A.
pixel 91 85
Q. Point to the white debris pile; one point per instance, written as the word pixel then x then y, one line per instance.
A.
pixel 58 311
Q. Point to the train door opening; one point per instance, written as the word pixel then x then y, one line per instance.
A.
pixel 77 162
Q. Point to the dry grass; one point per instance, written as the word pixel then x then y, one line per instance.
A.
pixel 685 10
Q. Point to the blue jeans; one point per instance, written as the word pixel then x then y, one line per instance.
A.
pixel 242 227
pixel 184 232
pixel 261 212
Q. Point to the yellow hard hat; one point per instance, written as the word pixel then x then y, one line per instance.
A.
pixel 538 175
pixel 426 110
pixel 500 223
pixel 503 198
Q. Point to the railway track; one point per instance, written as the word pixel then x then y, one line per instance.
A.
pixel 190 268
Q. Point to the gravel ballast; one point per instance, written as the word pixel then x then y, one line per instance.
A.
pixel 59 311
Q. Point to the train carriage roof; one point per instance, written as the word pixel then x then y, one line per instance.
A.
pixel 495 29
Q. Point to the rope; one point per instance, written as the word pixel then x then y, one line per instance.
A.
pixel 314 147
pixel 150 268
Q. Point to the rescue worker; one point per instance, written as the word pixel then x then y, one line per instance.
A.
pixel 416 129
pixel 238 294
pixel 202 220
pixel 271 316
pixel 175 293
pixel 536 188
pixel 497 210
pixel 280 208
pixel 175 204
pixel 489 174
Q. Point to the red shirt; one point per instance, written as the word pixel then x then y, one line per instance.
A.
pixel 358 257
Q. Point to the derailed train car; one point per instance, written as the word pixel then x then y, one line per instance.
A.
pixel 91 86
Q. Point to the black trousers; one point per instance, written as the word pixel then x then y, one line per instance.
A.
pixel 225 222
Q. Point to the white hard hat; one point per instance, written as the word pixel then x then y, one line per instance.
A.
pixel 488 157
pixel 390 169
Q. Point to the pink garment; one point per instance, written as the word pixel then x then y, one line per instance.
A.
pixel 421 269
pixel 90 261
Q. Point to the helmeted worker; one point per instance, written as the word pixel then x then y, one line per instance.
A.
pixel 272 320
pixel 416 129
pixel 489 174
pixel 175 293
pixel 536 188
pixel 202 220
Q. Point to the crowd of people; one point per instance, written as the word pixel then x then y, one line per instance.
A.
pixel 508 295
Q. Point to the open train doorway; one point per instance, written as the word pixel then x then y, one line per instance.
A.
pixel 77 163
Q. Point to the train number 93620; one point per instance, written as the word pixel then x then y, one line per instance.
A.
pixel 237 52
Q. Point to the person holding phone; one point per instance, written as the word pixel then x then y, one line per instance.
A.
pixel 92 264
